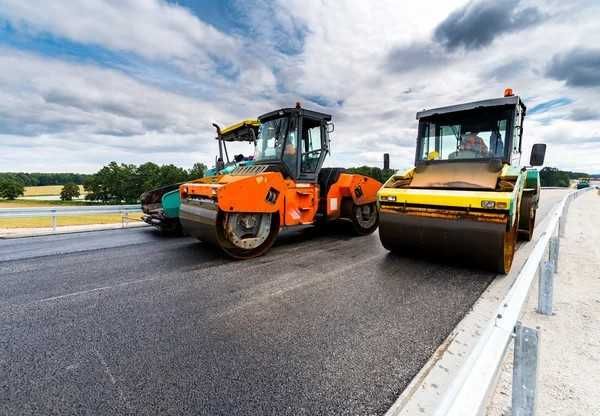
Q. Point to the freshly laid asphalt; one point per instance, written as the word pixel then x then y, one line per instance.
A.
pixel 126 322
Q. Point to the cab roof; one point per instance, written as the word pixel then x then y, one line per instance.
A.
pixel 239 131
pixel 494 102
pixel 303 111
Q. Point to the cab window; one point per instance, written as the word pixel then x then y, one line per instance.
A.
pixel 312 145
pixel 290 154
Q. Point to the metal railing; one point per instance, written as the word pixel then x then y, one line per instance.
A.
pixel 470 389
pixel 54 212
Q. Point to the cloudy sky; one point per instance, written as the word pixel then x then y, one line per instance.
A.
pixel 86 82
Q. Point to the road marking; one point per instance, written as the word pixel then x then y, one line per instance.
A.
pixel 85 292
pixel 105 366
pixel 111 377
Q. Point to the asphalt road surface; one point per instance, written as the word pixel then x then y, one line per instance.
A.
pixel 126 322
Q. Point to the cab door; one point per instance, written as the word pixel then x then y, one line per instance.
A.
pixel 302 200
pixel 313 147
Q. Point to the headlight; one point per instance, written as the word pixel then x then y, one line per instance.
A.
pixel 387 198
pixel 488 204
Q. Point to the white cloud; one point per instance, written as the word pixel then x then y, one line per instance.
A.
pixel 348 44
pixel 71 113
pixel 338 51
pixel 152 29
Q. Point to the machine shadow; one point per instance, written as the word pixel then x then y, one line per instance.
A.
pixel 341 230
pixel 450 265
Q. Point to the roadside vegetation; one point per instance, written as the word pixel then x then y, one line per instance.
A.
pixel 555 177
pixel 113 184
pixel 69 191
pixel 11 189
pixel 379 174
pixel 43 179
pixel 124 183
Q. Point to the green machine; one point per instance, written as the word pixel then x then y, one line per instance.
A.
pixel 583 183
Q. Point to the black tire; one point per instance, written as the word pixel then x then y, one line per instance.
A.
pixel 362 223
pixel 527 214
pixel 171 229
pixel 242 253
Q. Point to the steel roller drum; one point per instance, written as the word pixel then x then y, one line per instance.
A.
pixel 199 219
pixel 466 241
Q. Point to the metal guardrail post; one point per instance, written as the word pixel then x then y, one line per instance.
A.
pixel 53 215
pixel 545 288
pixel 125 218
pixel 524 383
pixel 562 222
pixel 553 251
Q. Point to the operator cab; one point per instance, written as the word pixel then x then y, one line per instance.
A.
pixel 466 146
pixel 478 131
pixel 244 131
pixel 294 139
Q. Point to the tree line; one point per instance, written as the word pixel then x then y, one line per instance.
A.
pixel 379 174
pixel 43 179
pixel 562 178
pixel 116 183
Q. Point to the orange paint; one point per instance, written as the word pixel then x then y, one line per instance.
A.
pixel 297 203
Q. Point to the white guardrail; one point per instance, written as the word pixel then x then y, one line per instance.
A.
pixel 470 390
pixel 54 212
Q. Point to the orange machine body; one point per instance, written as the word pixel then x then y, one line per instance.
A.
pixel 297 203
pixel 243 211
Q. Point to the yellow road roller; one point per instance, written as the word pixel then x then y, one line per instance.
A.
pixel 467 197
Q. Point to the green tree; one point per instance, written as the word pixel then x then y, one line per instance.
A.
pixel 148 176
pixel 170 174
pixel 113 183
pixel 197 171
pixel 118 183
pixel 69 191
pixel 379 174
pixel 11 189
pixel 554 177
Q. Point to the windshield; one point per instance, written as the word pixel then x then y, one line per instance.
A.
pixel 464 135
pixel 270 139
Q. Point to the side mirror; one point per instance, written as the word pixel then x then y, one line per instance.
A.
pixel 330 127
pixel 538 152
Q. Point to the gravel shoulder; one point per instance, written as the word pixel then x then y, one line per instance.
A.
pixel 569 361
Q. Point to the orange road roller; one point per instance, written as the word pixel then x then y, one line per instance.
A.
pixel 242 212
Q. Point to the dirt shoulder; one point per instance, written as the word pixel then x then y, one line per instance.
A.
pixel 569 360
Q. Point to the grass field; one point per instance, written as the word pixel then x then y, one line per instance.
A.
pixel 46 222
pixel 24 203
pixel 49 190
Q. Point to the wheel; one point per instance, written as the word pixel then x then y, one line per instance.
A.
pixel 527 218
pixel 247 235
pixel 171 229
pixel 365 218
pixel 505 258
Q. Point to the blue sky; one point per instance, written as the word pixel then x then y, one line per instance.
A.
pixel 85 83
